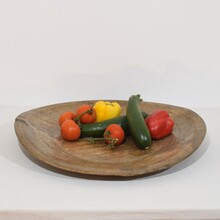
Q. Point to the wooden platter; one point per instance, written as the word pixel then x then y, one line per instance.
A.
pixel 39 135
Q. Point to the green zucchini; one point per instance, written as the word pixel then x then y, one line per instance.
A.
pixel 136 124
pixel 98 129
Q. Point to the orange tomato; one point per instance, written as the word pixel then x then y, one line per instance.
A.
pixel 114 134
pixel 65 116
pixel 70 131
pixel 86 114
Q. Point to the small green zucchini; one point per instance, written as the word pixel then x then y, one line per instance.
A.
pixel 98 129
pixel 136 124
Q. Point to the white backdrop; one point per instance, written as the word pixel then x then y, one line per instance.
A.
pixel 62 50
pixel 65 50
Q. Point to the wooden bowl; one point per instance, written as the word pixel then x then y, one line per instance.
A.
pixel 39 134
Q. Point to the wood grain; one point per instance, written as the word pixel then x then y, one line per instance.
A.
pixel 39 134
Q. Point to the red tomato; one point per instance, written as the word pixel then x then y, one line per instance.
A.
pixel 86 114
pixel 114 135
pixel 70 131
pixel 65 116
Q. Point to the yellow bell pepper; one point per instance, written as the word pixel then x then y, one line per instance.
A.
pixel 106 110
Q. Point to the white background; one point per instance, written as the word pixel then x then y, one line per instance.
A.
pixel 58 50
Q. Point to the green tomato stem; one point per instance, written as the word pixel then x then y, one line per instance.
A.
pixel 77 119
pixel 112 141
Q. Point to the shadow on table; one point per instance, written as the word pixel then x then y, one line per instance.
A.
pixel 13 151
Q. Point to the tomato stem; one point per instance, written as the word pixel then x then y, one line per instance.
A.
pixel 77 119
pixel 111 144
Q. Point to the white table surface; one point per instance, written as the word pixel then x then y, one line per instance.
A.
pixel 60 51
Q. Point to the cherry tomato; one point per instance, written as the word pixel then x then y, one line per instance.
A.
pixel 114 135
pixel 65 116
pixel 86 114
pixel 70 131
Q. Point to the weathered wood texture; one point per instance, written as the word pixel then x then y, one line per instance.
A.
pixel 39 134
